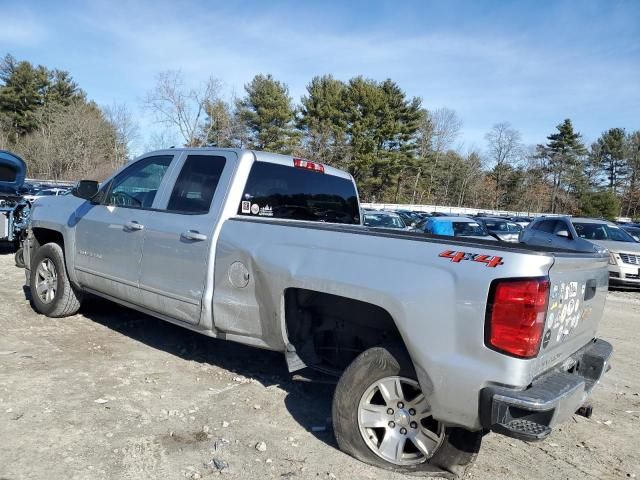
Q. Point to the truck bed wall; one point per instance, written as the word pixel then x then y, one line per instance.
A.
pixel 438 305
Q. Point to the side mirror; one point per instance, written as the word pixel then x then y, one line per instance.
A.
pixel 86 189
pixel 563 233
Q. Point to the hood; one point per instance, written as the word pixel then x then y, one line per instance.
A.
pixel 630 247
pixel 12 172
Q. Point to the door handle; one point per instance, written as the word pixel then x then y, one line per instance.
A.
pixel 133 226
pixel 193 235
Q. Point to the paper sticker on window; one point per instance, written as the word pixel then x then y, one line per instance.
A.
pixel 246 207
pixel 255 208
pixel 266 211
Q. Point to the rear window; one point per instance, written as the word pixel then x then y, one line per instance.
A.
pixel 280 191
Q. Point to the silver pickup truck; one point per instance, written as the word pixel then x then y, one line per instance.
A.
pixel 436 340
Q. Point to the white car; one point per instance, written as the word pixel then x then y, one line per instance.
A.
pixel 47 192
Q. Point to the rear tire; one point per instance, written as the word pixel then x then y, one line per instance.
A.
pixel 452 450
pixel 19 258
pixel 51 291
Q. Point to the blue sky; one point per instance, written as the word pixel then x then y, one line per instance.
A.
pixel 529 63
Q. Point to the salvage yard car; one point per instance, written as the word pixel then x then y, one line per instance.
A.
pixel 14 209
pixel 383 219
pixel 588 234
pixel 435 340
pixel 455 227
pixel 500 228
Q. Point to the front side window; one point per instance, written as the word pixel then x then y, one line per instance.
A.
pixel 196 184
pixel 137 186
pixel 280 191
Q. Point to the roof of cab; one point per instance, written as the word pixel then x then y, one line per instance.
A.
pixel 259 156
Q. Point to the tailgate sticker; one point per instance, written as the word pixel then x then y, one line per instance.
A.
pixel 457 257
pixel 565 312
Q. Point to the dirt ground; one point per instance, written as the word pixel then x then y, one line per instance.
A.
pixel 114 394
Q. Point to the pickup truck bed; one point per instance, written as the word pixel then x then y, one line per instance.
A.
pixel 436 339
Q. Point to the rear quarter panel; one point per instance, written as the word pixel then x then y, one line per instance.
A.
pixel 438 305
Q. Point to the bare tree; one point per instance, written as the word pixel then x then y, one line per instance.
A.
pixel 505 151
pixel 126 132
pixel 71 142
pixel 443 128
pixel 184 109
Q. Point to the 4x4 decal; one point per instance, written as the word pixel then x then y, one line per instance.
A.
pixel 457 257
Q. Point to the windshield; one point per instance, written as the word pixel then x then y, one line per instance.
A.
pixel 468 229
pixel 383 220
pixel 602 231
pixel 44 193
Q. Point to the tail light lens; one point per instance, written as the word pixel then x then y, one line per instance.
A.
pixel 515 316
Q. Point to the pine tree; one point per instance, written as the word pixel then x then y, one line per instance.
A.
pixel 613 161
pixel 25 89
pixel 322 119
pixel 564 154
pixel 268 114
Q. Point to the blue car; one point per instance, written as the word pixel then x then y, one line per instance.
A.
pixel 455 227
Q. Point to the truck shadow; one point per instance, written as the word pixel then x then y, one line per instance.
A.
pixel 308 402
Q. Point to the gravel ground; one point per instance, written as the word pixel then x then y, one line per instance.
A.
pixel 114 394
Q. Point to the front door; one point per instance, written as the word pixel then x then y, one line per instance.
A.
pixel 179 236
pixel 109 235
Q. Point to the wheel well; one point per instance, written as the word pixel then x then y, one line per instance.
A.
pixel 44 235
pixel 330 331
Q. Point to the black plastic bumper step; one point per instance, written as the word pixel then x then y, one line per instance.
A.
pixel 522 429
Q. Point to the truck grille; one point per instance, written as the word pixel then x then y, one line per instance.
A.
pixel 632 259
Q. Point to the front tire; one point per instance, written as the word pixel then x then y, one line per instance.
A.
pixel 51 291
pixel 381 417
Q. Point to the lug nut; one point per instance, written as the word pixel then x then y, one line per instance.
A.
pixel 400 405
pixel 413 425
pixel 403 431
pixel 412 411
pixel 389 411
pixel 392 424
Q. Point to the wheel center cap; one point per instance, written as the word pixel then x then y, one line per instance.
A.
pixel 402 417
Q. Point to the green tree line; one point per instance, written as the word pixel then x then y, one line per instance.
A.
pixel 397 149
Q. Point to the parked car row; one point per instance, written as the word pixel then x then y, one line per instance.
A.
pixel 589 235
pixel 561 232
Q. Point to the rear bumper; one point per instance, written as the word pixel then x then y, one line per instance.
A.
pixel 531 413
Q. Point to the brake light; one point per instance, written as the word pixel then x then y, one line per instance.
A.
pixel 516 314
pixel 306 164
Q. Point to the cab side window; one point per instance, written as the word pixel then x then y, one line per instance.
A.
pixel 196 184
pixel 137 186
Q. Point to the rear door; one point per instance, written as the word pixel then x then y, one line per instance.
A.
pixel 178 235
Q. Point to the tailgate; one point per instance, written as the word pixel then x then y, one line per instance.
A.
pixel 577 293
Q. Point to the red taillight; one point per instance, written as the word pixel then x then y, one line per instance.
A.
pixel 515 316
pixel 306 164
